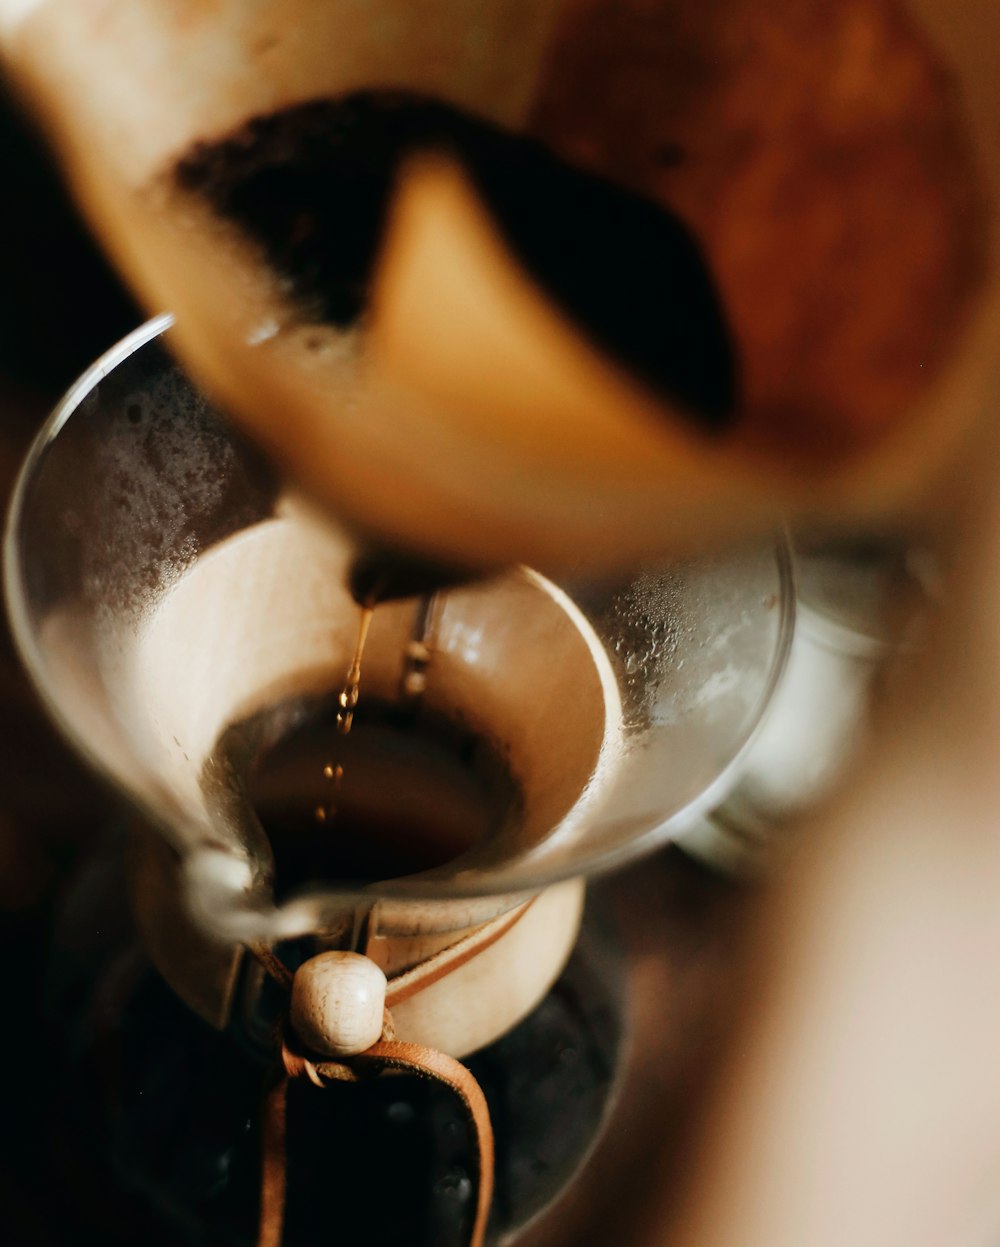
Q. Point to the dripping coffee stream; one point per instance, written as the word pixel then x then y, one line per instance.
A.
pixel 347 700
pixel 380 577
pixel 373 787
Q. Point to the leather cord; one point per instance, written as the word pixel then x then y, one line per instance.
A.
pixel 435 968
pixel 387 1053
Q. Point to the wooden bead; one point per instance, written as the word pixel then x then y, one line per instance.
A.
pixel 337 1003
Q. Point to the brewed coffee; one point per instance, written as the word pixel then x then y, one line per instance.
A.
pixel 406 790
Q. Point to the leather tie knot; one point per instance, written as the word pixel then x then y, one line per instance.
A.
pixel 341 1003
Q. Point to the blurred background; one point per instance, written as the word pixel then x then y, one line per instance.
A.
pixel 59 307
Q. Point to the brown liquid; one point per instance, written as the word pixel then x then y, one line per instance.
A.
pixel 347 702
pixel 414 791
pixel 348 699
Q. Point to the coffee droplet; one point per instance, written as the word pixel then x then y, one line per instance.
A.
pixel 347 700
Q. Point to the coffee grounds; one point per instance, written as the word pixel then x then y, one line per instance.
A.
pixel 311 184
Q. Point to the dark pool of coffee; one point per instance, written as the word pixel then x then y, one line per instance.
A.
pixel 405 790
